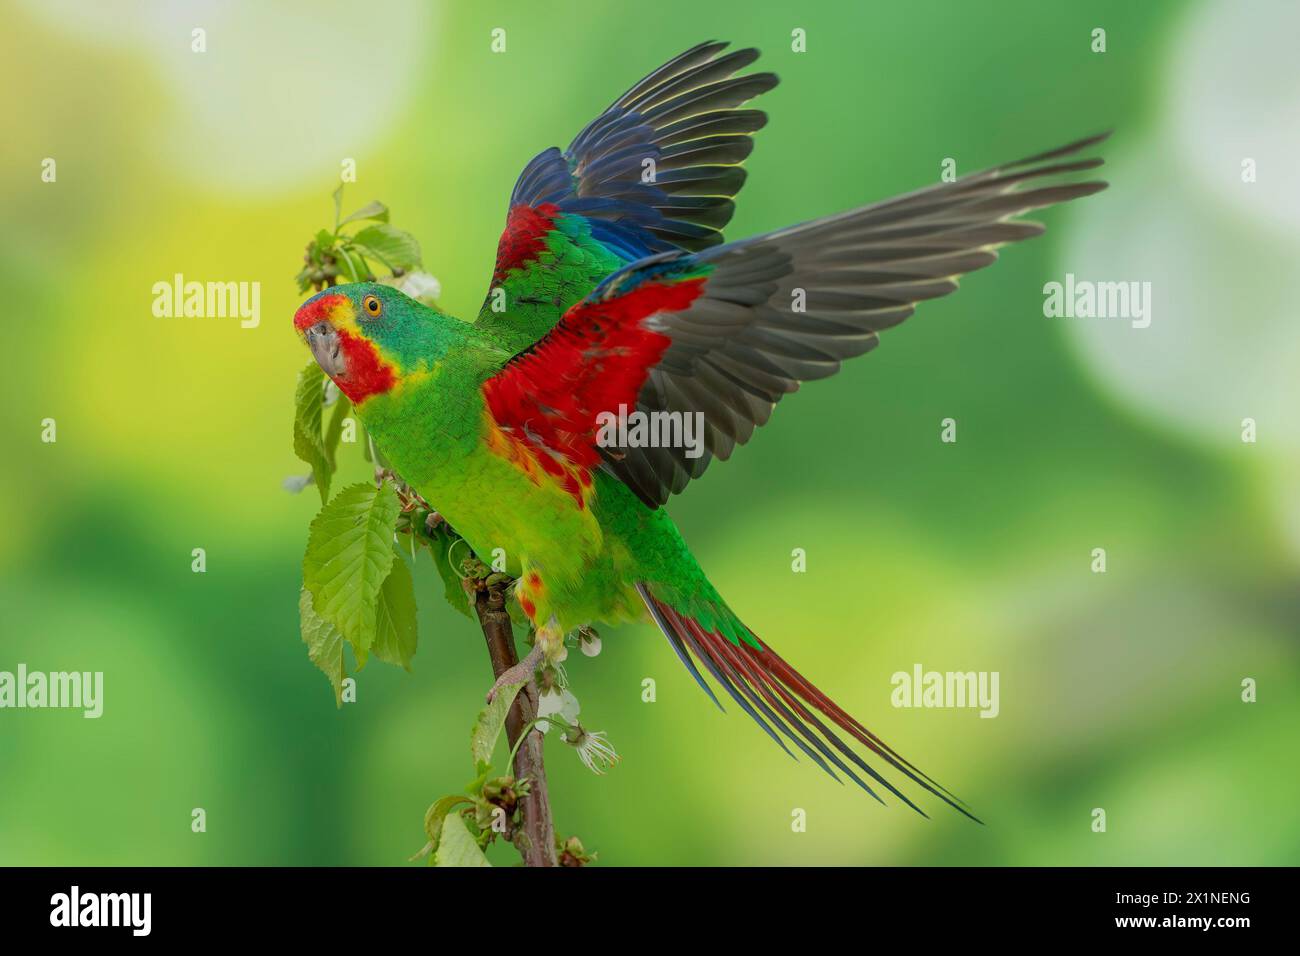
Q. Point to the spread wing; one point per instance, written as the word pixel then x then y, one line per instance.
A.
pixel 728 331
pixel 656 171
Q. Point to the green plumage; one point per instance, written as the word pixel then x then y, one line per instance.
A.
pixel 433 426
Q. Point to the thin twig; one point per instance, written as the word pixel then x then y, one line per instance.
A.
pixel 536 838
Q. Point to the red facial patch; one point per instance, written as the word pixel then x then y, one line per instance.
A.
pixel 317 310
pixel 367 373
pixel 525 237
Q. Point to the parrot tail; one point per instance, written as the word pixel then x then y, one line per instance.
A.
pixel 777 696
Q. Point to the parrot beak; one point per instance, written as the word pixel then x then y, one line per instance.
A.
pixel 313 321
pixel 326 348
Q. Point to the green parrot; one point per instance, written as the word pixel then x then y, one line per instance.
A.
pixel 614 295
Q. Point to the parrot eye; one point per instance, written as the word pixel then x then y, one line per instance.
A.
pixel 372 305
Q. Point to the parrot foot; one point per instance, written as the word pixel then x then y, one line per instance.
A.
pixel 517 673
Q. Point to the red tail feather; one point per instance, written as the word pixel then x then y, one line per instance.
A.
pixel 779 699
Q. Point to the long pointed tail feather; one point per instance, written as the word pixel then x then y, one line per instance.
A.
pixel 781 701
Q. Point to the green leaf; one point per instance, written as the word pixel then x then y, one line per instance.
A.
pixel 483 771
pixel 376 453
pixel 349 554
pixel 371 210
pixel 395 633
pixel 338 206
pixel 458 846
pixel 437 813
pixel 364 272
pixel 324 239
pixel 517 615
pixel 308 442
pixel 391 246
pixel 349 268
pixel 342 408
pixel 324 644
pixel 441 544
pixel 491 720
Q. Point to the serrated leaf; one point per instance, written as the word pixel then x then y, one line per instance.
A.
pixel 458 846
pixel 395 631
pixel 371 210
pixel 308 442
pixel 491 719
pixel 324 644
pixel 349 554
pixel 391 246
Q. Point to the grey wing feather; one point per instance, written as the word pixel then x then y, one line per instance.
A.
pixel 790 306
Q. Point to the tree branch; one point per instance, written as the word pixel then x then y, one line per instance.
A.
pixel 536 838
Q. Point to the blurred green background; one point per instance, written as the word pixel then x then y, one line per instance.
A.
pixel 1118 690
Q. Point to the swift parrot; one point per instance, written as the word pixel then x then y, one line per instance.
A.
pixel 615 290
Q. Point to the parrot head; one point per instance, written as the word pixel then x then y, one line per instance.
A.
pixel 365 336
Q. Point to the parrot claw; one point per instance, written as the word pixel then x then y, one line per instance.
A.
pixel 517 673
